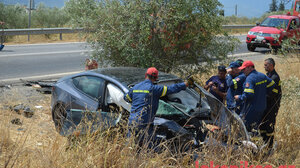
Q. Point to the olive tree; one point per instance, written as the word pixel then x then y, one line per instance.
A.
pixel 16 17
pixel 49 17
pixel 13 16
pixel 162 33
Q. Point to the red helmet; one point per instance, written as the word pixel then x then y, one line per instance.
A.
pixel 246 64
pixel 152 72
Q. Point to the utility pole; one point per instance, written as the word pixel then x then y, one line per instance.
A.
pixel 30 7
pixel 236 10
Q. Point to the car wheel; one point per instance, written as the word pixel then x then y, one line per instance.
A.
pixel 251 47
pixel 59 116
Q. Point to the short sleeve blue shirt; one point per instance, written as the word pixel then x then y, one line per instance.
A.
pixel 220 84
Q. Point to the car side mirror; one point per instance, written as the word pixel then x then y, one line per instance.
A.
pixel 257 23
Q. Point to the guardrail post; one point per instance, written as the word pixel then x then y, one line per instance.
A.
pixel 60 36
pixel 2 39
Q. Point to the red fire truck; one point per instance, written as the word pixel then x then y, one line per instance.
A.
pixel 274 29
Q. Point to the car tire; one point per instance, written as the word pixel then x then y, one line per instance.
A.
pixel 251 47
pixel 59 116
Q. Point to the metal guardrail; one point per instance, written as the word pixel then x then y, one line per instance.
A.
pixel 13 32
pixel 60 31
pixel 238 26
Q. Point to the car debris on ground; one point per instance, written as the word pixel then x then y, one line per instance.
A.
pixel 16 121
pixel 42 86
pixel 22 109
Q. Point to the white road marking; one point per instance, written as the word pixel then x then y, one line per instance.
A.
pixel 245 54
pixel 39 77
pixel 44 53
pixel 19 45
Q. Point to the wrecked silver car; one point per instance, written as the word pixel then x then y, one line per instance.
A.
pixel 96 97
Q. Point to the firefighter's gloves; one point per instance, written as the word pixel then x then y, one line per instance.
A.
pixel 190 81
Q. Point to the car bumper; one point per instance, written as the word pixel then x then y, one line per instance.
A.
pixel 260 41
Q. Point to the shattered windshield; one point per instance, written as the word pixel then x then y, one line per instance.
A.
pixel 275 22
pixel 186 104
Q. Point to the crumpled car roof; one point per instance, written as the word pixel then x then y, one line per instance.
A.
pixel 130 75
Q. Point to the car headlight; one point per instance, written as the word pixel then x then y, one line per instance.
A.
pixel 251 33
pixel 276 36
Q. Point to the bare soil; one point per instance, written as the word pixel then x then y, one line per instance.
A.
pixel 33 129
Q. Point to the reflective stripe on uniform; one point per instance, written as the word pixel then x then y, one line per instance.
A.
pixel 249 90
pixel 262 131
pixel 128 97
pixel 164 92
pixel 270 84
pixel 140 91
pixel 279 83
pixel 275 90
pixel 234 83
pixel 261 82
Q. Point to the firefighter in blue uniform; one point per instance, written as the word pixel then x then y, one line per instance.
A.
pixel 144 98
pixel 254 96
pixel 217 84
pixel 273 103
pixel 235 80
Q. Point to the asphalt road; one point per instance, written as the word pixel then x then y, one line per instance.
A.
pixel 40 61
pixel 243 51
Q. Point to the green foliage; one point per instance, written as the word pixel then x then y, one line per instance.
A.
pixel 16 17
pixel 273 6
pixel 290 46
pixel 222 12
pixel 82 13
pixel 48 17
pixel 231 20
pixel 281 6
pixel 13 16
pixel 160 33
pixel 275 13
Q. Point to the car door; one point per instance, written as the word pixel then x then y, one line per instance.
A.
pixel 88 98
pixel 88 105
pixel 114 106
pixel 90 92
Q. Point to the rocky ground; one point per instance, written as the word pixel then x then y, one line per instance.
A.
pixel 26 114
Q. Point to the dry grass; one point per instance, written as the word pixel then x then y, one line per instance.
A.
pixel 36 143
pixel 237 31
pixel 287 131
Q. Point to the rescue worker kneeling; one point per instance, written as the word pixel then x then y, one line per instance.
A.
pixel 144 98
